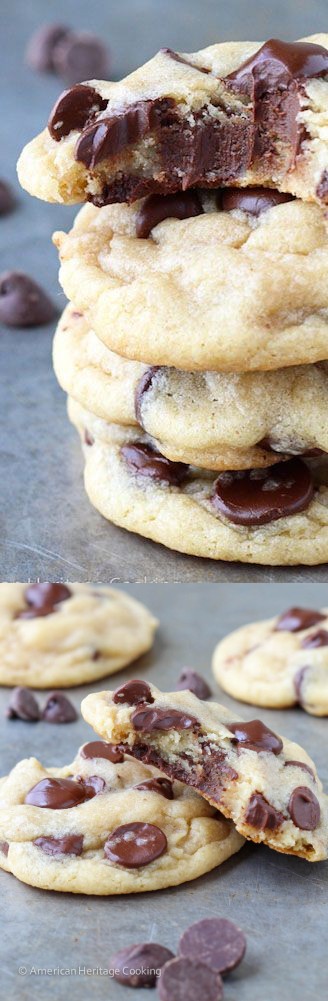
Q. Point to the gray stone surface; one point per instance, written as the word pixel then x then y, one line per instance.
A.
pixel 47 527
pixel 279 901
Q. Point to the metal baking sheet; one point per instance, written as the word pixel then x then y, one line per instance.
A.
pixel 47 526
pixel 279 901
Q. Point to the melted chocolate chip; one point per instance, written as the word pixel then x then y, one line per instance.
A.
pixel 41 47
pixel 277 62
pixel 304 809
pixel 296 619
pixel 184 978
pixel 7 198
pixel 252 200
pixel 57 794
pixel 255 736
pixel 142 387
pixel 138 965
pixel 163 719
pixel 315 640
pixel 42 599
pixel 156 208
pixel 70 844
pixel 23 303
pixel 99 749
pixel 216 942
pixel 110 135
pixel 135 845
pixel 262 815
pixel 93 784
pixel 23 705
pixel 146 461
pixel 259 496
pixel 301 764
pixel 59 709
pixel 162 786
pixel 191 681
pixel 210 775
pixel 81 56
pixel 132 693
pixel 73 110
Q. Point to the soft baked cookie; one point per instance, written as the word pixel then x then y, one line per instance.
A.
pixel 66 634
pixel 266 784
pixel 230 289
pixel 107 825
pixel 273 516
pixel 277 663
pixel 235 113
pixel 211 419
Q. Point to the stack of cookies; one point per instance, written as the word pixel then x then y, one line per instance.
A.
pixel 194 347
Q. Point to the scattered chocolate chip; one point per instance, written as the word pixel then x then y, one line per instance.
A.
pixel 304 809
pixel 132 693
pixel 4 847
pixel 301 764
pixel 81 56
pixel 138 965
pixel 255 736
pixel 258 496
pixel 262 815
pixel 142 387
pixel 216 942
pixel 191 681
pixel 58 709
pixel 40 49
pixel 70 844
pixel 156 208
pixel 315 640
pixel 163 719
pixel 252 200
pixel 22 302
pixel 276 62
pixel 296 619
pixel 99 749
pixel 58 794
pixel 73 110
pixel 146 461
pixel 183 979
pixel 7 198
pixel 109 136
pixel 135 845
pixel 23 705
pixel 42 599
pixel 162 786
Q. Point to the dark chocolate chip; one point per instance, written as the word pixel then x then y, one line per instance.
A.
pixel 162 786
pixel 87 438
pixel 322 188
pixel 40 49
pixel 258 496
pixel 296 619
pixel 216 942
pixel 255 736
pixel 146 461
pixel 135 845
pixel 108 137
pixel 132 693
pixel 4 847
pixel 315 640
pixel 304 809
pixel 70 844
pixel 252 200
pixel 301 764
pixel 23 705
pixel 278 62
pixel 7 198
pixel 73 110
pixel 148 720
pixel 93 784
pixel 58 794
pixel 81 56
pixel 99 749
pixel 22 302
pixel 191 681
pixel 42 599
pixel 183 979
pixel 262 815
pixel 156 208
pixel 58 709
pixel 298 682
pixel 143 386
pixel 139 965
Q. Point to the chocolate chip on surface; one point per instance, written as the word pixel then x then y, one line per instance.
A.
pixel 296 619
pixel 40 48
pixel 23 705
pixel 162 786
pixel 277 61
pixel 148 720
pixel 315 640
pixel 191 681
pixel 146 461
pixel 135 845
pixel 255 736
pixel 59 709
pixel 70 844
pixel 138 965
pixel 185 980
pixel 262 815
pixel 156 208
pixel 303 765
pixel 253 200
pixel 74 109
pixel 42 599
pixel 93 784
pixel 58 794
pixel 99 749
pixel 259 496
pixel 132 693
pixel 22 302
pixel 142 388
pixel 216 942
pixel 7 198
pixel 304 809
pixel 81 56
pixel 4 847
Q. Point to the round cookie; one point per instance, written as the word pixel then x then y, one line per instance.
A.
pixel 220 291
pixel 265 783
pixel 56 635
pixel 107 825
pixel 210 419
pixel 177 505
pixel 277 663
